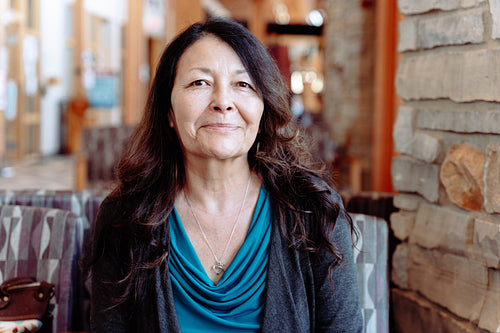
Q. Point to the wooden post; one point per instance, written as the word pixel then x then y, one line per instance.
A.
pixel 187 13
pixel 75 112
pixel 79 38
pixel 3 8
pixel 135 59
pixel 20 31
pixel 257 23
pixel 385 98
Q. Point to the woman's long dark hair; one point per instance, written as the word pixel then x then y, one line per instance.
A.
pixel 151 171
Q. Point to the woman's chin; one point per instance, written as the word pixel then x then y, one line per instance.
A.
pixel 223 154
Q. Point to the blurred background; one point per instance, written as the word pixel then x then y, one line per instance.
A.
pixel 70 65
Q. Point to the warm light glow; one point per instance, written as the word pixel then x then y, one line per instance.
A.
pixel 318 84
pixel 281 15
pixel 297 85
pixel 309 76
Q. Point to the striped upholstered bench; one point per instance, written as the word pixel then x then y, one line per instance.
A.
pixel 45 243
pixel 83 204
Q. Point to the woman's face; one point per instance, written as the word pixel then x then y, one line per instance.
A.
pixel 216 109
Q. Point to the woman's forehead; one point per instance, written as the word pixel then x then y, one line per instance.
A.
pixel 210 51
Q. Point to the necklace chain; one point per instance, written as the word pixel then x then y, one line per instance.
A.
pixel 218 267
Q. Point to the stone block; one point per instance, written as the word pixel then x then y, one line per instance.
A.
pixel 490 315
pixel 402 224
pixel 486 242
pixel 409 7
pixel 407 202
pixel 415 314
pixel 459 121
pixel 461 76
pixel 399 273
pixel 417 76
pixel 492 179
pixel 412 176
pixel 407 35
pixel 470 3
pixel 403 129
pixel 495 18
pixel 452 281
pixel 462 175
pixel 442 228
pixel 454 29
pixel 426 147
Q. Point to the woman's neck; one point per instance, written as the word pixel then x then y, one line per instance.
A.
pixel 218 187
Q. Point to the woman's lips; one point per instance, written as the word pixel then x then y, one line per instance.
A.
pixel 221 127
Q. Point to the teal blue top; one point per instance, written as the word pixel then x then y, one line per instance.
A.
pixel 236 303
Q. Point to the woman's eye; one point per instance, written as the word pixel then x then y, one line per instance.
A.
pixel 243 84
pixel 198 83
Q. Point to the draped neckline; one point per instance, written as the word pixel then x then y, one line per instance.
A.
pixel 236 302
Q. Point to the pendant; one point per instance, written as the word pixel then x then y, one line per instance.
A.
pixel 218 268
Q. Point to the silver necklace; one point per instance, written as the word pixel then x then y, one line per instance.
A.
pixel 218 267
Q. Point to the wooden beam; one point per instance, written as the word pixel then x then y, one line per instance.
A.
pixel 384 97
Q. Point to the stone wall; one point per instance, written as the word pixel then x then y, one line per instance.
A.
pixel 349 59
pixel 447 173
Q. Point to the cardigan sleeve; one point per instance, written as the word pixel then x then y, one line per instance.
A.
pixel 105 314
pixel 337 306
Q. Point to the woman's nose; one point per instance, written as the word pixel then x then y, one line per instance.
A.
pixel 222 100
pixel 223 108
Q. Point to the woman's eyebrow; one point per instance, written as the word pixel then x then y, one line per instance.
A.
pixel 240 71
pixel 201 69
pixel 209 71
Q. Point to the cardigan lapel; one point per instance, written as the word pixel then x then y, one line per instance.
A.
pixel 286 308
pixel 159 311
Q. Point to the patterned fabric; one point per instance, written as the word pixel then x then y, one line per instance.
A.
pixel 102 148
pixel 44 243
pixel 371 258
pixel 84 203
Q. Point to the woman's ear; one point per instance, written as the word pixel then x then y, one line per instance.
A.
pixel 171 119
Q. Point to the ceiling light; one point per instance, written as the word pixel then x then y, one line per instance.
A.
pixel 315 18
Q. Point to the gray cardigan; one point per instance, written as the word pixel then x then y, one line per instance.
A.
pixel 299 294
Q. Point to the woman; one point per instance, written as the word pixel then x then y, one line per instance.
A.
pixel 218 223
